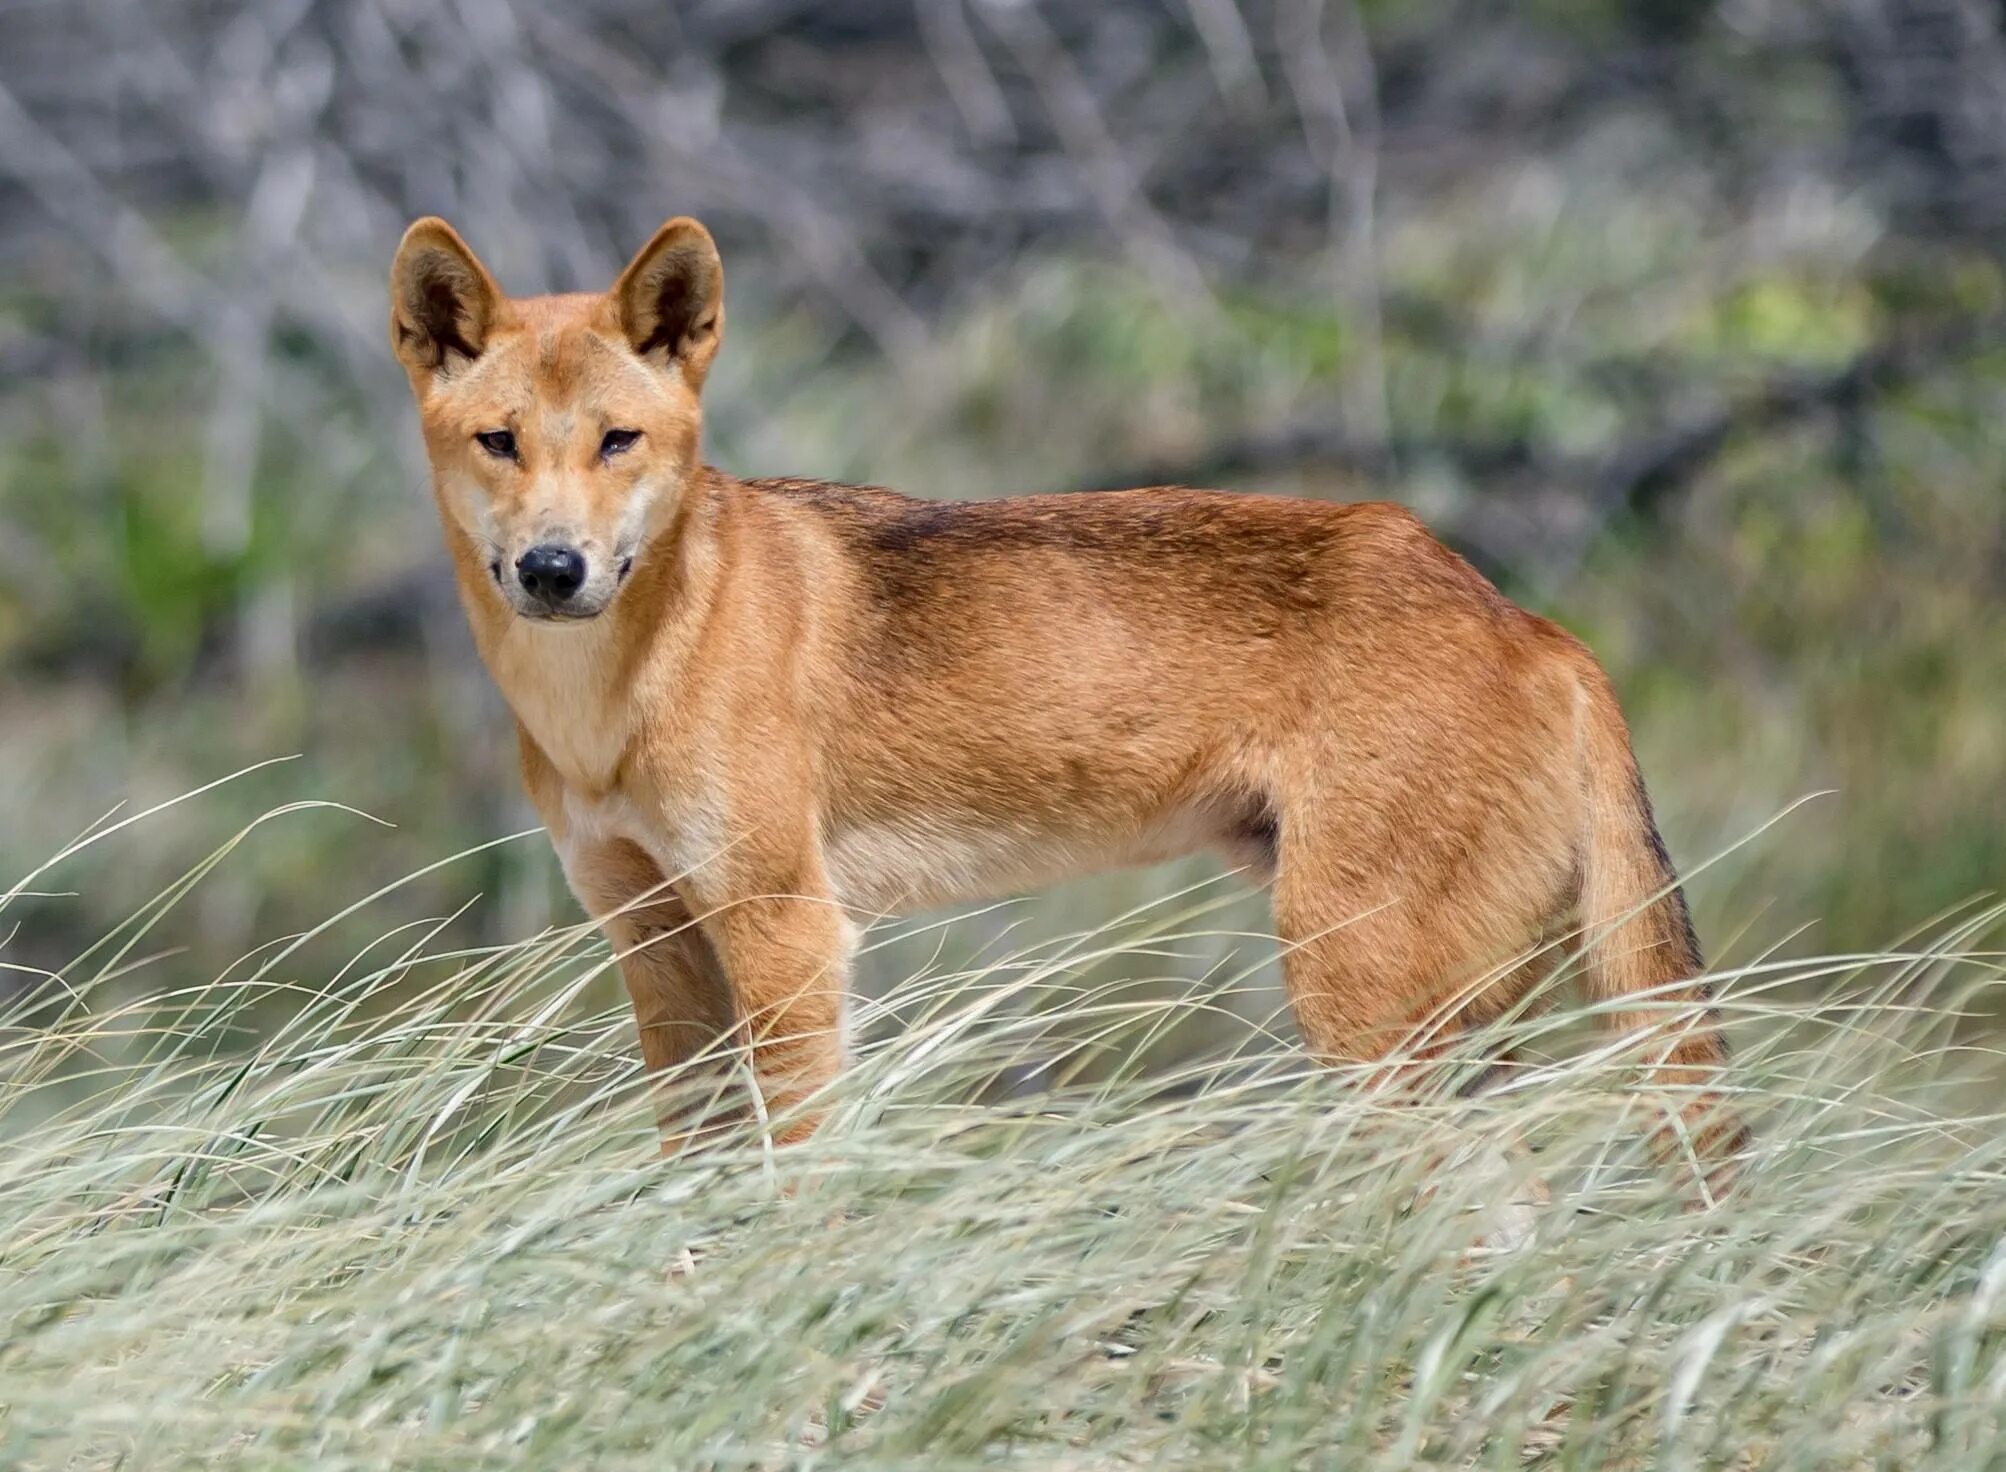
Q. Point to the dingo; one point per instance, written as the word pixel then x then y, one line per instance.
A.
pixel 750 710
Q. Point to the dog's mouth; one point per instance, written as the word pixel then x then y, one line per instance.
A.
pixel 557 615
pixel 537 612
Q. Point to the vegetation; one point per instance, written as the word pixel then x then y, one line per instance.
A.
pixel 1686 322
pixel 405 1209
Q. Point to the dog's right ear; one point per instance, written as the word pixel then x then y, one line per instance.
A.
pixel 442 299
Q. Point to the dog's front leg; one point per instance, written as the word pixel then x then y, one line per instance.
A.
pixel 786 953
pixel 682 1004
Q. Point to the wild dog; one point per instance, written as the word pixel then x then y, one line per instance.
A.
pixel 751 711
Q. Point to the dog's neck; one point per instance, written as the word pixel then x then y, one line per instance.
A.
pixel 571 685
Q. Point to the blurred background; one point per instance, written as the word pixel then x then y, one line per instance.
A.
pixel 1685 321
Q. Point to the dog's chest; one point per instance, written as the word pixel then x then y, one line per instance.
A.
pixel 561 688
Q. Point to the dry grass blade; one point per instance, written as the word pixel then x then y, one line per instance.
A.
pixel 410 1215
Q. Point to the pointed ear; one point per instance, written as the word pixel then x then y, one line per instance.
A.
pixel 442 299
pixel 671 299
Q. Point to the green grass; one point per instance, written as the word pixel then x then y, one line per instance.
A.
pixel 404 1209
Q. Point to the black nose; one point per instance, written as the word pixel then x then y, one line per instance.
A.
pixel 551 573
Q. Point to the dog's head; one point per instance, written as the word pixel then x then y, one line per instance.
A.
pixel 562 430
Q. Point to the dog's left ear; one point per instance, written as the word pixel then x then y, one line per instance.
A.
pixel 671 299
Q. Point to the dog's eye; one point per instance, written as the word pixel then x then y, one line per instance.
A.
pixel 497 442
pixel 617 440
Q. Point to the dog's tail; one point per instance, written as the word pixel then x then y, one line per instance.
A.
pixel 1638 937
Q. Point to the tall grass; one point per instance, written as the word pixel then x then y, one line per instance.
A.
pixel 407 1211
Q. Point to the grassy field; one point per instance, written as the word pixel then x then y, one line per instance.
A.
pixel 365 1201
pixel 1688 323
